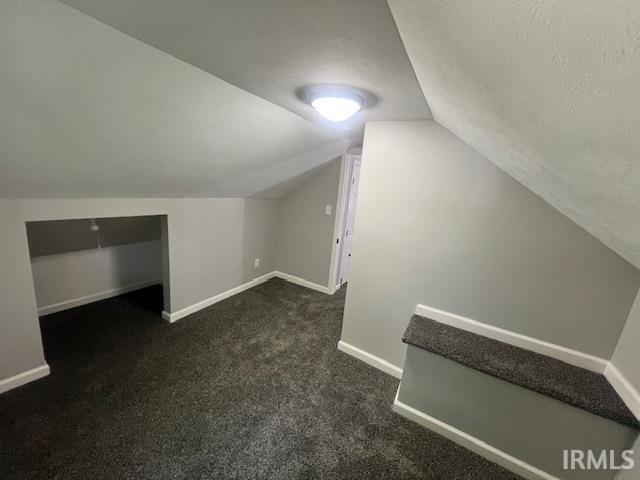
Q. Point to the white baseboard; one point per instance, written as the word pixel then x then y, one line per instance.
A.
pixel 628 393
pixel 172 317
pixel 94 297
pixel 471 443
pixel 303 282
pixel 23 378
pixel 568 355
pixel 370 359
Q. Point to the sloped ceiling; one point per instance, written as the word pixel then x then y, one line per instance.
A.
pixel 548 90
pixel 88 111
pixel 274 47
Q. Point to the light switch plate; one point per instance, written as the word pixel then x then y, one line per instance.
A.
pixel 327 210
pixel 256 262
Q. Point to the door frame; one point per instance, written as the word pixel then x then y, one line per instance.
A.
pixel 346 167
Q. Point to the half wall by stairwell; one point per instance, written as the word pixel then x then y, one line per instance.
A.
pixel 516 407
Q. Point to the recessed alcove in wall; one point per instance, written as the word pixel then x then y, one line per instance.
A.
pixel 79 261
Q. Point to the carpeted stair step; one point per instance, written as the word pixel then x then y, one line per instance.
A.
pixel 551 377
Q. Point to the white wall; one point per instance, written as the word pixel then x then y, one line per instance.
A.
pixel 66 280
pixel 207 244
pixel 305 234
pixel 441 225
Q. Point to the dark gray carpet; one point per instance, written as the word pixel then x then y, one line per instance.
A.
pixel 252 387
pixel 570 384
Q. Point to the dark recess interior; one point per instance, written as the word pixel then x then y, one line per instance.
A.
pixel 60 236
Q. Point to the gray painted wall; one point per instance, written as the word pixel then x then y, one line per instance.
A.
pixel 20 341
pixel 65 277
pixel 528 425
pixel 626 357
pixel 439 224
pixel 207 252
pixel 260 217
pixel 304 231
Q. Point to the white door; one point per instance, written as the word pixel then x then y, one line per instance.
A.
pixel 350 218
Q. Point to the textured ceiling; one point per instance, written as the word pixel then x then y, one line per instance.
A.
pixel 548 90
pixel 88 111
pixel 274 47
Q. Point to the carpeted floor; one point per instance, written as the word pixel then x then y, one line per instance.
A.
pixel 252 387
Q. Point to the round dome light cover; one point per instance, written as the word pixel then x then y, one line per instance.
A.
pixel 336 107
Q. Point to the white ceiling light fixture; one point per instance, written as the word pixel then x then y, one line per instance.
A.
pixel 337 109
pixel 336 103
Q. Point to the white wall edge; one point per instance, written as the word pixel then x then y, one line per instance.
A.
pixel 303 282
pixel 24 378
pixel 568 355
pixel 370 359
pixel 630 396
pixel 175 316
pixel 471 443
pixel 94 297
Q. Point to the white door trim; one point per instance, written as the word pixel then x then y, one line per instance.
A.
pixel 338 222
pixel 346 167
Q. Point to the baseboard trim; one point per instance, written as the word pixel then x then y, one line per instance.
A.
pixel 470 442
pixel 24 378
pixel 370 359
pixel 568 355
pixel 628 393
pixel 175 316
pixel 94 297
pixel 302 282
